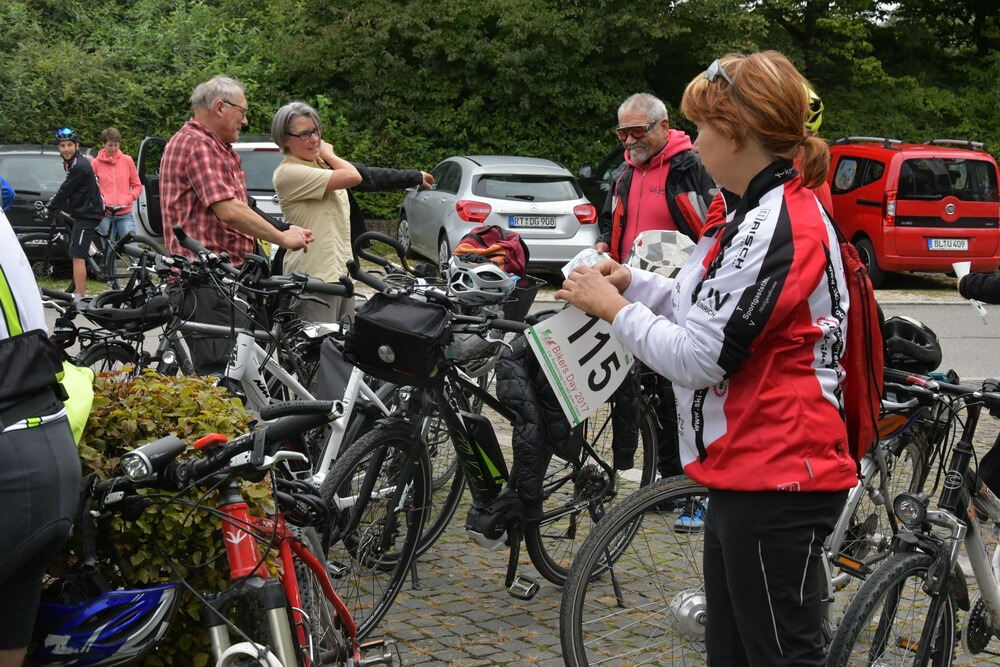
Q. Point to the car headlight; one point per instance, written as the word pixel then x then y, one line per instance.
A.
pixel 910 508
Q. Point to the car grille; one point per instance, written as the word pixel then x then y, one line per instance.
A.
pixel 961 223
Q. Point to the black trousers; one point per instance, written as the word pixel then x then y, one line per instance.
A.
pixel 763 576
pixel 204 304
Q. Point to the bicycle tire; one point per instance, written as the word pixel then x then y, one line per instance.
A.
pixel 570 507
pixel 44 254
pixel 897 587
pixel 368 580
pixel 109 356
pixel 329 642
pixel 635 593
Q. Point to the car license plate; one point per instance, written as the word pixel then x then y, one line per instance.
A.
pixel 533 221
pixel 947 244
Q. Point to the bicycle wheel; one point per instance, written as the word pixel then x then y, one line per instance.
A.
pixel 117 267
pixel 893 621
pixel 869 529
pixel 329 644
pixel 635 593
pixel 109 356
pixel 576 494
pixel 372 540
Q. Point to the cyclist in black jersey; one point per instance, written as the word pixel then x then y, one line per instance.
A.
pixel 39 464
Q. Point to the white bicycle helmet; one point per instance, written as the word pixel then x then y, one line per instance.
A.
pixel 478 284
pixel 660 251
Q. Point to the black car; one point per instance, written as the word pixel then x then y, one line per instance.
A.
pixel 35 173
pixel 596 181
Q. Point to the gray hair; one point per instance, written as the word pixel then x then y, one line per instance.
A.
pixel 653 106
pixel 217 88
pixel 283 118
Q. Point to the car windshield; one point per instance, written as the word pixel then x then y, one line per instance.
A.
pixel 526 187
pixel 259 165
pixel 32 173
pixel 937 178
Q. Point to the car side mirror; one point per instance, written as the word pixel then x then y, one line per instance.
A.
pixel 586 171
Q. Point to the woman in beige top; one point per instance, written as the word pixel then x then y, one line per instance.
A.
pixel 311 183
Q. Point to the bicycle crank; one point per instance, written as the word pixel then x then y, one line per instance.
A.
pixel 977 632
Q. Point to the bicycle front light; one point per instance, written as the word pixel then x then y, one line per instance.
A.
pixel 144 462
pixel 911 508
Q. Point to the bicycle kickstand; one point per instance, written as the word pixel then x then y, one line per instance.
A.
pixel 519 586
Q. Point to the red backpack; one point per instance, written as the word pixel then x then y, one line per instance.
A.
pixel 503 248
pixel 863 357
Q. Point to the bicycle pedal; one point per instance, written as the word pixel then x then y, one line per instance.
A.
pixel 523 588
pixel 381 653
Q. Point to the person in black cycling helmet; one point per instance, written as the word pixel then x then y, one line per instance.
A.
pixel 39 463
pixel 81 197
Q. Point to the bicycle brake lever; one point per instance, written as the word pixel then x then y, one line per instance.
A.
pixel 283 455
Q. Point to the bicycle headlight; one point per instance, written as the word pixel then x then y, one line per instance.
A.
pixel 136 466
pixel 910 508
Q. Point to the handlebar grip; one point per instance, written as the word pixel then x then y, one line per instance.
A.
pixel 342 288
pixel 293 425
pixel 56 295
pixel 514 326
pixel 189 243
pixel 363 276
pixel 136 251
pixel 363 241
pixel 121 243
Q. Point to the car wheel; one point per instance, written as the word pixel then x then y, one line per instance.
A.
pixel 867 253
pixel 444 253
pixel 403 235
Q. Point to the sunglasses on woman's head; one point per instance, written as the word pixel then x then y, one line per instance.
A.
pixel 715 70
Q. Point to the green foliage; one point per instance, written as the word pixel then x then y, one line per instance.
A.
pixel 127 412
pixel 406 83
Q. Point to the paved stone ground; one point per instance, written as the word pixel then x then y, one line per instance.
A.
pixel 461 615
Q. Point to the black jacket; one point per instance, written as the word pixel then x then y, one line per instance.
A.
pixel 983 287
pixel 541 430
pixel 686 178
pixel 79 194
pixel 377 179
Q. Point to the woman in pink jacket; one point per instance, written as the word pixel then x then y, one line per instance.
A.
pixel 119 183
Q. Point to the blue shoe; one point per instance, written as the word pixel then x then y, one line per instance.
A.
pixel 692 518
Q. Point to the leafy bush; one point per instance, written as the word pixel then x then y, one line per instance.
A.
pixel 129 411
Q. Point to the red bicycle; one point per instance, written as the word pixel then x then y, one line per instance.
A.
pixel 294 618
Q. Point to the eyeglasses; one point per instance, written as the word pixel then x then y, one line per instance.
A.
pixel 635 131
pixel 307 135
pixel 243 110
pixel 715 70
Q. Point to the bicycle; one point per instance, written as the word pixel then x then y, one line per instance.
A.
pixel 907 610
pixel 636 587
pixel 301 620
pixel 377 490
pixel 46 251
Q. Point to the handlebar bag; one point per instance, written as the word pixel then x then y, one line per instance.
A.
pixel 399 339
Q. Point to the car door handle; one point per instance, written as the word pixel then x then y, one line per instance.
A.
pixel 869 202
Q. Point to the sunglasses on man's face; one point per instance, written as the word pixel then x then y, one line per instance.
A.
pixel 715 70
pixel 635 131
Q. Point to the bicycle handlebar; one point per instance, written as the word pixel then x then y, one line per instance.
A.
pixel 212 259
pixel 930 388
pixel 305 283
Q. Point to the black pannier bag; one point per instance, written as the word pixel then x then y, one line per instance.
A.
pixel 399 339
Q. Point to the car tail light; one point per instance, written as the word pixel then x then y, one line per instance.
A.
pixel 473 211
pixel 890 208
pixel 585 213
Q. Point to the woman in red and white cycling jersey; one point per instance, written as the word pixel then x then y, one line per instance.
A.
pixel 751 334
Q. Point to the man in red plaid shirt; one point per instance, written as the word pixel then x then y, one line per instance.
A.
pixel 203 189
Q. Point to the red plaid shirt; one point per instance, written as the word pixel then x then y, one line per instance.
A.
pixel 197 170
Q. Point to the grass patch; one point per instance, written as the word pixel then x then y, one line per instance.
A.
pixel 66 285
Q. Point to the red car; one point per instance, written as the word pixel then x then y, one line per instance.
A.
pixel 916 207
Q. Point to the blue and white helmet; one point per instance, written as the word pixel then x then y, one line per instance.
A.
pixel 111 629
pixel 660 251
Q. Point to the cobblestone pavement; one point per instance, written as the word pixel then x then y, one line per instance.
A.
pixel 461 615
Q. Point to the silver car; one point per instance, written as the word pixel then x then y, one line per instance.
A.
pixel 537 198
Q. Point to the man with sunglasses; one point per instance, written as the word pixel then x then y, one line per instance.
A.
pixel 660 185
pixel 203 190
pixel 80 195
